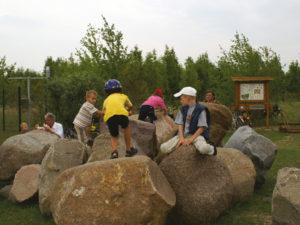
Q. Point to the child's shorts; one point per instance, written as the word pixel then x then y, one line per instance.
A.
pixel 114 122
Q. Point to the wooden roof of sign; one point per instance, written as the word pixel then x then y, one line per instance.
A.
pixel 245 79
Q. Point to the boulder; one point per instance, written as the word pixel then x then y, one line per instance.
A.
pixel 143 138
pixel 143 135
pixel 242 172
pixel 286 197
pixel 62 155
pixel 4 192
pixel 23 149
pixel 221 122
pixel 259 149
pixel 202 184
pixel 165 128
pixel 25 184
pixel 112 192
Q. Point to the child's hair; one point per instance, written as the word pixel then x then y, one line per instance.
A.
pixel 23 125
pixel 112 91
pixel 90 92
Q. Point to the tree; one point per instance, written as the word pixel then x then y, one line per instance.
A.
pixel 293 78
pixel 190 75
pixel 171 72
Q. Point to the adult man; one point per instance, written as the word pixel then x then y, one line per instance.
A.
pixel 210 97
pixel 53 127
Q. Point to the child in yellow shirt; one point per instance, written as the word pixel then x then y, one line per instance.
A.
pixel 116 109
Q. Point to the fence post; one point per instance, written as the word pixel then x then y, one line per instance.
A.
pixel 19 108
pixel 3 109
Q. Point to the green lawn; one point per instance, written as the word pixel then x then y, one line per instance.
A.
pixel 257 211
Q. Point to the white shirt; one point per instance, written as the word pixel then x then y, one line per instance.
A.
pixel 58 129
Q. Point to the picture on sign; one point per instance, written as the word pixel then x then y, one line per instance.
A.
pixel 252 91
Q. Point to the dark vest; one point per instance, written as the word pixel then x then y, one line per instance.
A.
pixel 195 117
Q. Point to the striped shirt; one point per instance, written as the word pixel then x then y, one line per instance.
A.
pixel 84 117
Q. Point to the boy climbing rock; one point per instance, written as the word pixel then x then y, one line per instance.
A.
pixel 193 122
pixel 83 119
pixel 116 109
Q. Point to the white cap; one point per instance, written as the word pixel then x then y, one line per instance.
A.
pixel 186 91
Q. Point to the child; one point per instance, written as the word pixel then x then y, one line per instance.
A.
pixel 24 128
pixel 116 108
pixel 193 120
pixel 155 101
pixel 83 119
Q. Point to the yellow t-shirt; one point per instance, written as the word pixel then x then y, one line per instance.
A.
pixel 116 104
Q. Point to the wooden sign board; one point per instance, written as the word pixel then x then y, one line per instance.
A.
pixel 252 93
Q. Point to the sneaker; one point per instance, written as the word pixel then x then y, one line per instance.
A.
pixel 114 154
pixel 131 152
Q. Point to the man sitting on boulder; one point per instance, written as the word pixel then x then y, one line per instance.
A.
pixel 51 126
pixel 193 120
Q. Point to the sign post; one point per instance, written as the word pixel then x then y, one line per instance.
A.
pixel 253 93
pixel 28 93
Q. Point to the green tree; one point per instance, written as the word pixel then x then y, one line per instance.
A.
pixel 171 72
pixel 293 78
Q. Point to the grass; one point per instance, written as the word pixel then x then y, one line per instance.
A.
pixel 257 211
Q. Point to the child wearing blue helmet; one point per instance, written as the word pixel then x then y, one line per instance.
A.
pixel 116 109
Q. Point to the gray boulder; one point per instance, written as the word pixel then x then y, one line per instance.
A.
pixel 62 155
pixel 286 197
pixel 23 149
pixel 202 184
pixel 143 138
pixel 261 150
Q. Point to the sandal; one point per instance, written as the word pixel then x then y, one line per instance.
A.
pixel 114 154
pixel 131 152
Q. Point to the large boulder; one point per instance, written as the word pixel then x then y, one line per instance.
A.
pixel 202 184
pixel 143 138
pixel 221 122
pixel 23 149
pixel 259 149
pixel 62 155
pixel 113 192
pixel 286 197
pixel 242 172
pixel 25 184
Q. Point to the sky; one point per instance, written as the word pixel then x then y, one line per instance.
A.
pixel 31 30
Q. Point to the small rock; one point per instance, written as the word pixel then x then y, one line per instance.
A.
pixel 25 184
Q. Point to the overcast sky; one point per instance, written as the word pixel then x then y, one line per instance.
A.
pixel 31 30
